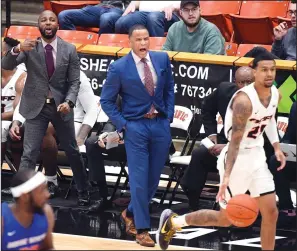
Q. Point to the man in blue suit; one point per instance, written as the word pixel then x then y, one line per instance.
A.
pixel 144 80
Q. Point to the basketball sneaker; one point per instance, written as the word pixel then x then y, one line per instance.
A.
pixel 166 229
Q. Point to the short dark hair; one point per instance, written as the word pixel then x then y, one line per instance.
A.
pixel 22 176
pixel 263 57
pixel 136 27
pixel 293 1
pixel 11 42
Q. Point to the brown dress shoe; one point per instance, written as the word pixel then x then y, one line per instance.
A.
pixel 145 240
pixel 130 226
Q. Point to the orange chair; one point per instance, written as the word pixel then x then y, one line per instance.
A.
pixel 89 29
pixel 216 13
pixel 254 25
pixel 58 6
pixel 80 37
pixel 156 43
pixel 120 40
pixel 47 5
pixel 244 48
pixel 231 48
pixel 23 32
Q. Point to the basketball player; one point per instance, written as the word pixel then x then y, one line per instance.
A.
pixel 27 224
pixel 12 83
pixel 242 162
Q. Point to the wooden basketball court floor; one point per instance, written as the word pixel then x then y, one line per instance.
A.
pixel 78 242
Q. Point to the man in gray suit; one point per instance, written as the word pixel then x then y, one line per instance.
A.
pixel 49 95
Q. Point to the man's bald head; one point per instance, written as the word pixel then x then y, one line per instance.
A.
pixel 48 25
pixel 244 76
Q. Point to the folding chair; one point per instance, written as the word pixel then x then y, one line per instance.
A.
pixel 156 43
pixel 23 32
pixel 231 48
pixel 244 48
pixel 82 37
pixel 115 40
pixel 182 120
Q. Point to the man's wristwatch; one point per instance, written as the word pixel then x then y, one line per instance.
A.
pixel 71 105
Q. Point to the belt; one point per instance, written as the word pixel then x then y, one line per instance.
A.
pixel 49 100
pixel 152 116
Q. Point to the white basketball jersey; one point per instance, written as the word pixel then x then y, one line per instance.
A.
pixel 8 92
pixel 253 135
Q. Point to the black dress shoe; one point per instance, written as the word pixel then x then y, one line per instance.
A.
pixel 83 198
pixel 53 189
pixel 6 192
pixel 99 205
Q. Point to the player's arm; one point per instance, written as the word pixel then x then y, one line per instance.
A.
pixel 242 110
pixel 48 241
pixel 272 135
pixel 18 88
pixel 88 101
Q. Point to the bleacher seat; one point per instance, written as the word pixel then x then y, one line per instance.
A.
pixel 244 48
pixel 22 32
pixel 231 48
pixel 120 40
pixel 216 13
pixel 156 43
pixel 58 6
pixel 83 37
pixel 254 25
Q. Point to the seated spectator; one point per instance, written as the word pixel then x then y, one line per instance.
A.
pixel 85 116
pixel 95 150
pixel 103 16
pixel 12 85
pixel 194 34
pixel 283 178
pixel 284 45
pixel 204 160
pixel 157 17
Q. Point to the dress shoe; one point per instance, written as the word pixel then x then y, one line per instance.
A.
pixel 83 198
pixel 145 240
pixel 53 189
pixel 129 222
pixel 6 192
pixel 100 205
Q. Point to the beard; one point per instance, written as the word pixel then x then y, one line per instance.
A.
pixel 48 36
pixel 191 25
pixel 35 208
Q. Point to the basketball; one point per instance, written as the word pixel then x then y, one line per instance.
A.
pixel 242 210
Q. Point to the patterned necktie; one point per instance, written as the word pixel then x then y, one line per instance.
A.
pixel 49 60
pixel 148 82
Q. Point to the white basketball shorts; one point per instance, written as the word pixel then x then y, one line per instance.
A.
pixel 250 173
pixel 5 130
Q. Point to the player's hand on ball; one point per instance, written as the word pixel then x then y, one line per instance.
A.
pixel 64 108
pixel 280 157
pixel 222 190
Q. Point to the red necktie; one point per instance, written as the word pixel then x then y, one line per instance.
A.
pixel 148 82
pixel 49 60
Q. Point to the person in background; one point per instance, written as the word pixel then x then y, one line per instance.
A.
pixel 147 94
pixel 194 33
pixel 282 178
pixel 284 45
pixel 205 160
pixel 103 16
pixel 12 84
pixel 85 116
pixel 157 17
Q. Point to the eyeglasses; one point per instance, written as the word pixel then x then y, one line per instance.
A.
pixel 291 12
pixel 187 11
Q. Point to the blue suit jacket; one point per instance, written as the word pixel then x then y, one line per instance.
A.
pixel 123 79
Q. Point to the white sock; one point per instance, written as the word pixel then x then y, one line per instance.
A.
pixel 179 221
pixel 52 179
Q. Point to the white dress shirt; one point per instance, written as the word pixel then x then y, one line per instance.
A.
pixel 151 6
pixel 140 67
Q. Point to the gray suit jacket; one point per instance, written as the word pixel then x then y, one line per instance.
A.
pixel 64 83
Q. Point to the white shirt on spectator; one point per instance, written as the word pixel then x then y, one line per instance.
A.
pixel 151 6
